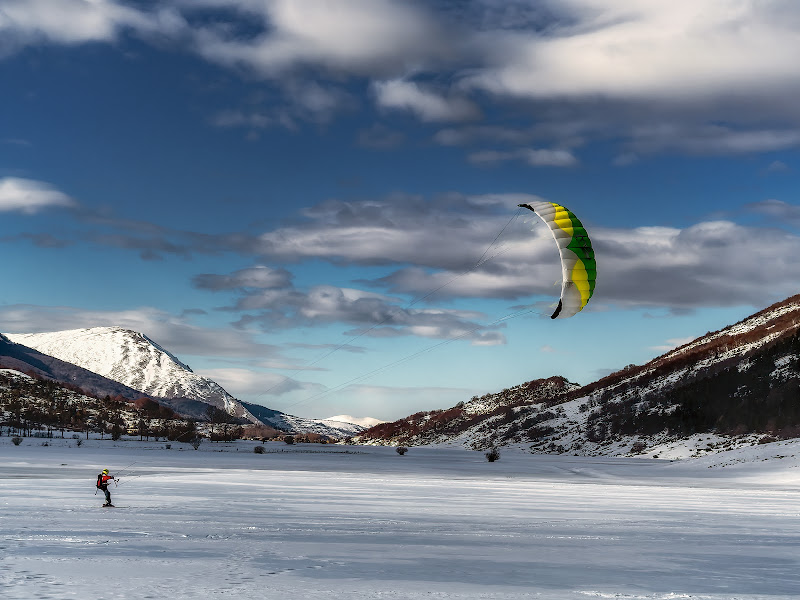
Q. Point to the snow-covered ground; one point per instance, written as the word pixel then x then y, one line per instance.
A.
pixel 352 522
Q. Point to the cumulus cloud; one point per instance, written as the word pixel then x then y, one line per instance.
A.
pixel 778 211
pixel 372 314
pixel 29 196
pixel 445 231
pixel 440 250
pixel 426 104
pixel 249 383
pixel 351 36
pixel 709 139
pixel 714 263
pixel 29 22
pixel 471 134
pixel 258 277
pixel 706 77
pixel 777 166
pixel 172 332
pixel 456 247
pixel 640 49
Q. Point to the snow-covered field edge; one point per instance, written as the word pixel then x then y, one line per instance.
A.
pixel 365 522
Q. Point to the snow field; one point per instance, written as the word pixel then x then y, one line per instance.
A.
pixel 363 522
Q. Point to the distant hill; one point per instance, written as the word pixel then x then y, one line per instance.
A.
pixel 441 426
pixel 739 381
pixel 291 423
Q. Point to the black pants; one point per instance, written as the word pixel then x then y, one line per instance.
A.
pixel 107 493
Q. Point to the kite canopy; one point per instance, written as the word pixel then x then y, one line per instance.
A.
pixel 578 267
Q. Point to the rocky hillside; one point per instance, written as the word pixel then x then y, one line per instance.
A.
pixel 739 381
pixel 440 426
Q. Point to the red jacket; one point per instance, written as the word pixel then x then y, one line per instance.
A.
pixel 102 480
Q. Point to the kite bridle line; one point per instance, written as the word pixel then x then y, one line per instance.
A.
pixel 360 378
pixel 120 472
pixel 393 311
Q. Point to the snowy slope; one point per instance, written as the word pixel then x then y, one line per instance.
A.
pixel 29 360
pixel 480 414
pixel 133 359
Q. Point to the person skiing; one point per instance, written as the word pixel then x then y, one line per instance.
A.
pixel 103 480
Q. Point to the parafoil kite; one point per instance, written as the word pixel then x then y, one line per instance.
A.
pixel 578 267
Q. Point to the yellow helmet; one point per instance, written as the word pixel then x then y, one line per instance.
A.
pixel 105 471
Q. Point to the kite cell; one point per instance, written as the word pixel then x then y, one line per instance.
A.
pixel 578 267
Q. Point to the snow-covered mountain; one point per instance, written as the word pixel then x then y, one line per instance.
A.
pixel 28 360
pixel 139 363
pixel 291 423
pixel 133 359
pixel 740 383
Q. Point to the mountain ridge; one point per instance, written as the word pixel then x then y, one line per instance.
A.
pixel 742 380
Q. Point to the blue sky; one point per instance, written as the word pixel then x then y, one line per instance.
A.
pixel 295 196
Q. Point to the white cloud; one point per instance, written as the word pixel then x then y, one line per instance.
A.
pixel 779 212
pixel 426 104
pixel 534 157
pixel 445 231
pixel 440 249
pixel 355 36
pixel 372 314
pixel 642 49
pixel 653 76
pixel 29 22
pixel 172 332
pixel 248 383
pixel 29 196
pixel 259 276
pixel 471 134
pixel 713 263
pixel 777 166
pixel 710 139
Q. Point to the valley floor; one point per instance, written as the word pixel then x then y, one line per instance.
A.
pixel 351 522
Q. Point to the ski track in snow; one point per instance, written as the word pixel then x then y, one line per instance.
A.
pixel 363 522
